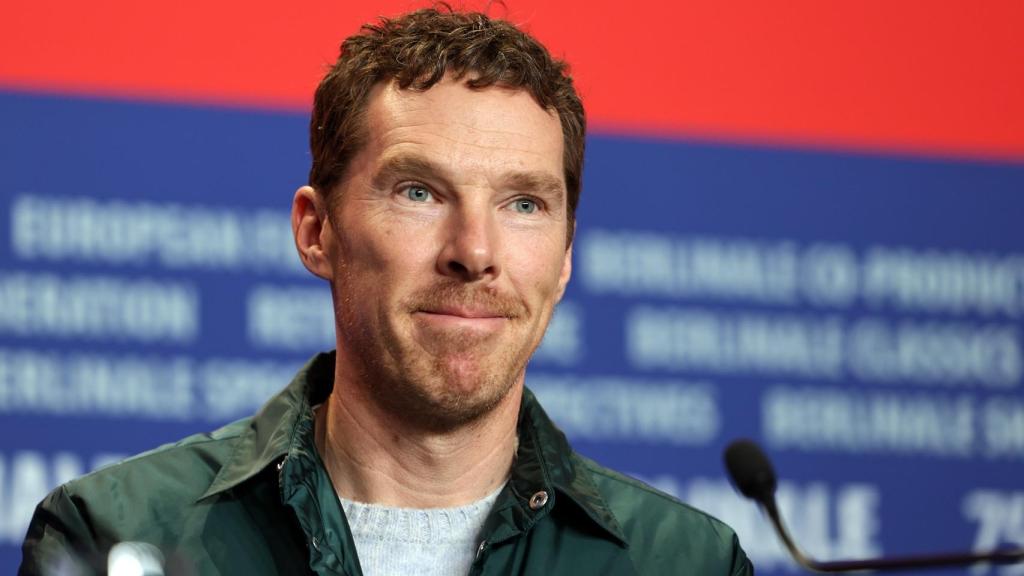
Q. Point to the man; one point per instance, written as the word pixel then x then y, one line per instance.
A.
pixel 447 156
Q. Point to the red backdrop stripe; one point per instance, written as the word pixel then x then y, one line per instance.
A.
pixel 909 75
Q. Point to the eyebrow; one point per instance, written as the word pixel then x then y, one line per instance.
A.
pixel 404 166
pixel 536 182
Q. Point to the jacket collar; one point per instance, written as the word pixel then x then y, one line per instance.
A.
pixel 276 429
pixel 544 459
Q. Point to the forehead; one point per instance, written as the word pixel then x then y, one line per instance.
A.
pixel 486 130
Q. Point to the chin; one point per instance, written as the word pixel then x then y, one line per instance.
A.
pixel 451 395
pixel 449 382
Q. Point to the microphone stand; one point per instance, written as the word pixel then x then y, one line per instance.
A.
pixel 947 560
pixel 754 476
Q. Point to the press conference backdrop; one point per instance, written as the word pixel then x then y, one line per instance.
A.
pixel 803 227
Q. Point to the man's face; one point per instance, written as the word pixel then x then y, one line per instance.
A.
pixel 447 248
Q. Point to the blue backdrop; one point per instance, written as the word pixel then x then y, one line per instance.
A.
pixel 859 315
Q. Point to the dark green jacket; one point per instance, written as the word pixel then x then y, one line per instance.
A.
pixel 254 498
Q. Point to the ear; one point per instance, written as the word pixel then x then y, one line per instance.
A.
pixel 311 231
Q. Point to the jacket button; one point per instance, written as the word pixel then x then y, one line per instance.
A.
pixel 538 500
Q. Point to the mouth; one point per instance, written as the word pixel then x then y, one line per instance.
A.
pixel 466 318
pixel 467 312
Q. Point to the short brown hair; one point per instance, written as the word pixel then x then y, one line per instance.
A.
pixel 417 50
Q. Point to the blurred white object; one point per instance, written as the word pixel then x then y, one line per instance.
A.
pixel 135 559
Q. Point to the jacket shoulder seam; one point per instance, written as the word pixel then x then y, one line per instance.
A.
pixel 618 477
pixel 152 453
pixel 596 468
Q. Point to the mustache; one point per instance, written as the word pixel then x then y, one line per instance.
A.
pixel 453 294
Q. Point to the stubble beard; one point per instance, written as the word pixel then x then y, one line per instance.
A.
pixel 457 378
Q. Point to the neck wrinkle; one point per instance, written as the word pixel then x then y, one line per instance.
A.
pixel 373 457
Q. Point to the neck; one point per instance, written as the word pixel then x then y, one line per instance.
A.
pixel 376 457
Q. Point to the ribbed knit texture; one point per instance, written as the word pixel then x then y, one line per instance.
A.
pixel 417 542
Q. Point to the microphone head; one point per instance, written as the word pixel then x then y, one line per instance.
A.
pixel 751 471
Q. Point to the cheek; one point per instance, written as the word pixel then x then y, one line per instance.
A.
pixel 541 273
pixel 383 258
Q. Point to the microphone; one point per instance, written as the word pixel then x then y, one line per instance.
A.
pixel 753 475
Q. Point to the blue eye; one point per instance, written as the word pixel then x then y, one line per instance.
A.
pixel 525 206
pixel 417 193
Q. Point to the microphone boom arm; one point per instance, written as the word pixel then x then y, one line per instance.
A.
pixel 946 560
pixel 753 475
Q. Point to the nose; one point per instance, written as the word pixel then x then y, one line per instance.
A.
pixel 470 251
